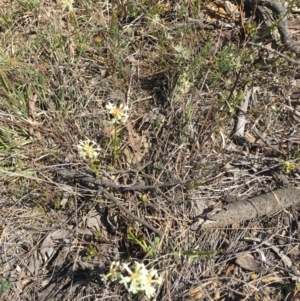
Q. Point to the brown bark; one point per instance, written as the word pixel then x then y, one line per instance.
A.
pixel 264 204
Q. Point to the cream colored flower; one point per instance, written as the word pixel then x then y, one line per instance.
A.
pixel 155 19
pixel 114 273
pixel 88 149
pixel 119 114
pixel 138 279
pixel 67 4
pixel 137 276
pixel 148 281
pixel 149 291
pixel 182 52
pixel 125 280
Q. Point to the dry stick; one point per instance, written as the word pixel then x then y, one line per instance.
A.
pixel 277 150
pixel 141 221
pixel 264 204
pixel 91 182
pixel 241 119
pixel 241 115
pixel 237 212
pixel 202 24
pixel 98 184
pixel 94 183
pixel 274 51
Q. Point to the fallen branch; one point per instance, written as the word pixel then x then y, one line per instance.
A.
pixel 100 184
pixel 264 204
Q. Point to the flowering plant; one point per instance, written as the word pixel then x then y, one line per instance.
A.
pixel 89 150
pixel 119 115
pixel 68 4
pixel 136 278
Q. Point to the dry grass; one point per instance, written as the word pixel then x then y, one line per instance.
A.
pixel 183 86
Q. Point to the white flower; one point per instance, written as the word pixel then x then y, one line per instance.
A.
pixel 155 20
pixel 182 52
pixel 138 278
pixel 67 4
pixel 113 273
pixel 152 278
pixel 104 278
pixel 127 268
pixel 149 291
pixel 184 83
pixel 88 149
pixel 168 36
pixel 119 114
pixel 125 281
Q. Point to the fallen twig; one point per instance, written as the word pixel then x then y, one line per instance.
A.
pixel 264 204
pixel 139 220
pixel 241 115
pixel 274 51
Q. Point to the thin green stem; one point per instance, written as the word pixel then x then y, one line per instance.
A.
pixel 115 144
